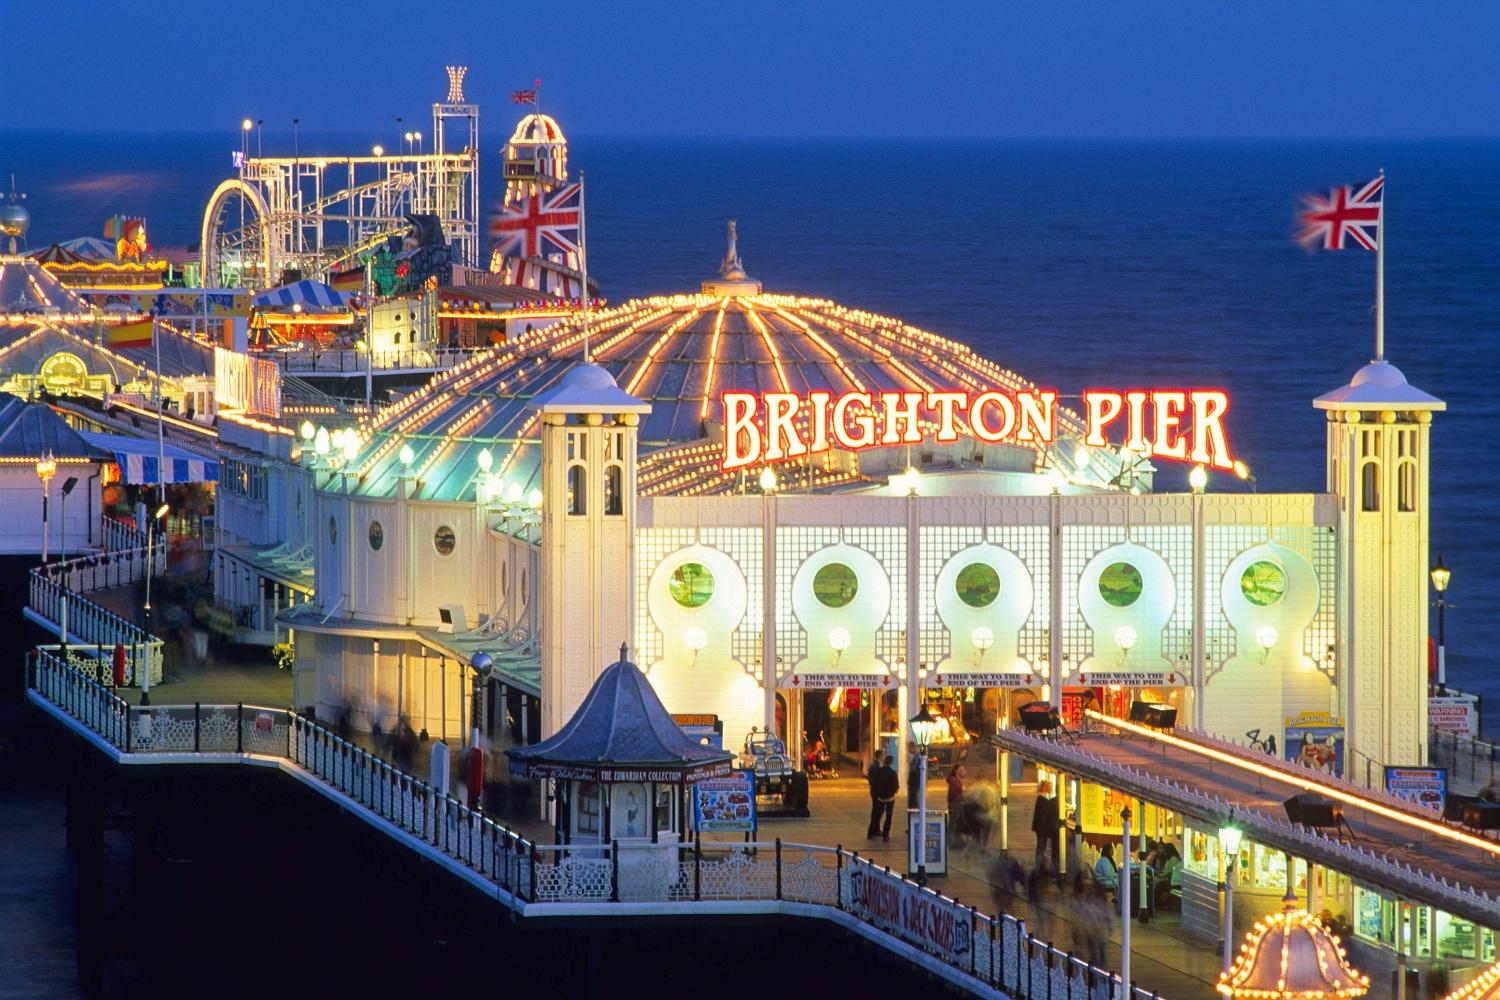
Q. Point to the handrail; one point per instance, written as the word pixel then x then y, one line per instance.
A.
pixel 980 951
pixel 54 599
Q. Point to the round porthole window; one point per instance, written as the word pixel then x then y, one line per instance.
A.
pixel 377 535
pixel 835 585
pixel 444 540
pixel 1263 583
pixel 978 585
pixel 691 585
pixel 333 531
pixel 1120 585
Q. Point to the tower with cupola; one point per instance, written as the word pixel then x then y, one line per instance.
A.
pixel 1378 467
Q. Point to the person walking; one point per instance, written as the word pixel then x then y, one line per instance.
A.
pixel 958 831
pixel 1044 823
pixel 884 784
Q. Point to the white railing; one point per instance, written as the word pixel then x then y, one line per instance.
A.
pixel 1464 756
pixel 117 534
pixel 347 362
pixel 52 603
pixel 989 952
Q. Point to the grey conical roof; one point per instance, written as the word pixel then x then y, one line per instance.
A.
pixel 621 725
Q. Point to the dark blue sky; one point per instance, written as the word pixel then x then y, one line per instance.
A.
pixel 999 68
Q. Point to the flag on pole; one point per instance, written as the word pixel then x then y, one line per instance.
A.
pixel 544 224
pixel 523 96
pixel 130 334
pixel 1349 216
pixel 352 280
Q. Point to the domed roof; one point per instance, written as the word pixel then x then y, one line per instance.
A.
pixel 1291 954
pixel 677 354
pixel 1378 384
pixel 537 128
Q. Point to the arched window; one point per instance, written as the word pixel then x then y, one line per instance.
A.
pixel 614 496
pixel 1369 486
pixel 1406 487
pixel 577 489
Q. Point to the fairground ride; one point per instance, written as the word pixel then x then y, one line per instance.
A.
pixel 316 215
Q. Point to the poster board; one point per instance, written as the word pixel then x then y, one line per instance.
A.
pixel 1424 787
pixel 1315 740
pixel 937 842
pixel 725 805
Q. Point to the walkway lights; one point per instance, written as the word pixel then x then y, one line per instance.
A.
pixel 46 468
pixel 923 729
pixel 1441 574
pixel 1229 850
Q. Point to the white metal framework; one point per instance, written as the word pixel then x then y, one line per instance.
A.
pixel 314 215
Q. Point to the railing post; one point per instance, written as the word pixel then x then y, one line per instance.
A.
pixel 531 892
pixel 838 877
pixel 972 922
pixel 997 960
pixel 239 727
pixel 698 867
pixel 614 871
pixel 778 867
pixel 127 727
pixel 197 726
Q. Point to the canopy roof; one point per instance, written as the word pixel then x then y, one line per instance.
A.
pixel 621 733
pixel 306 293
pixel 140 460
pixel 31 430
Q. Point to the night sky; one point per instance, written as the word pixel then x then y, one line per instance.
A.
pixel 647 67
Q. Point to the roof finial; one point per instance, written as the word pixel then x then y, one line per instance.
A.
pixel 624 647
pixel 732 268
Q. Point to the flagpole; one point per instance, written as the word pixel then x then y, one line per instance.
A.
pixel 583 268
pixel 161 457
pixel 1380 274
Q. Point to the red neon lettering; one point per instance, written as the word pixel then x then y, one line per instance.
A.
pixel 901 408
pixel 1135 440
pixel 864 421
pixel 1168 441
pixel 1037 411
pixel 1103 408
pixel 781 409
pixel 1209 444
pixel 741 434
pixel 818 400
pixel 945 403
pixel 982 430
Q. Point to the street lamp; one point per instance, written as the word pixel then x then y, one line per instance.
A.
pixel 1229 851
pixel 923 729
pixel 151 529
pixel 67 487
pixel 46 468
pixel 1441 574
pixel 1198 478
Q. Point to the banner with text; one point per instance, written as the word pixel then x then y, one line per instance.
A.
pixel 916 915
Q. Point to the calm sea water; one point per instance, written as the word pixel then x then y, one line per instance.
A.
pixel 1076 263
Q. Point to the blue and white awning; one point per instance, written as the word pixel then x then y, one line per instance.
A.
pixel 308 294
pixel 139 465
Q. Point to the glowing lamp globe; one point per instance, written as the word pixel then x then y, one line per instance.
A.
pixel 1125 637
pixel 839 639
pixel 1291 954
pixel 767 481
pixel 308 430
pixel 923 727
pixel 406 455
pixel 486 460
pixel 1198 478
pixel 1441 574
pixel 695 639
pixel 1266 637
pixel 983 637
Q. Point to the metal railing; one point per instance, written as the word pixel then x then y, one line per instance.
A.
pixel 995 951
pixel 347 362
pixel 1464 756
pixel 69 613
pixel 116 534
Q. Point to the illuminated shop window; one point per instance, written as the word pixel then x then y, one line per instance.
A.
pixel 333 531
pixel 835 585
pixel 377 535
pixel 977 585
pixel 577 489
pixel 1263 583
pixel 444 540
pixel 691 585
pixel 614 497
pixel 1120 585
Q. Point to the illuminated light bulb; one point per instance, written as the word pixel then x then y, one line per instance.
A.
pixel 486 460
pixel 1241 469
pixel 767 480
pixel 839 639
pixel 308 430
pixel 535 499
pixel 1125 637
pixel 1198 478
pixel 513 493
pixel 321 441
pixel 407 456
pixel 247 124
pixel 695 639
pixel 1080 458
pixel 1266 637
pixel 983 637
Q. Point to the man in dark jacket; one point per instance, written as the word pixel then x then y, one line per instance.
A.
pixel 1045 823
pixel 884 784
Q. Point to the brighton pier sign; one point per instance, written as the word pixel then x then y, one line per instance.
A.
pixel 1185 425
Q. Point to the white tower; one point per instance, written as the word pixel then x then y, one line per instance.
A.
pixel 1378 467
pixel 589 428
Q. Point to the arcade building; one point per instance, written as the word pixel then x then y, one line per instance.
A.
pixel 584 484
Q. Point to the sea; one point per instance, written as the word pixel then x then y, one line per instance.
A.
pixel 1077 263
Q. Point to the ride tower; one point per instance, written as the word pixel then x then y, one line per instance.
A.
pixel 1378 456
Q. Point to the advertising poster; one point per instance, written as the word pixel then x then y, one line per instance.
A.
pixel 725 805
pixel 918 916
pixel 1100 808
pixel 937 842
pixel 1424 787
pixel 1315 740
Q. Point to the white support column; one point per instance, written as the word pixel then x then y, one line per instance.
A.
pixel 1200 616
pixel 1055 600
pixel 913 650
pixel 770 670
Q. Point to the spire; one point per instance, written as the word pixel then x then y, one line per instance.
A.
pixel 732 279
pixel 733 269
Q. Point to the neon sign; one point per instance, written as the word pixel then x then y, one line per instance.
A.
pixel 1185 425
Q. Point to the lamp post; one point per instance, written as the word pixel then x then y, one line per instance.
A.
pixel 923 728
pixel 1124 891
pixel 1229 850
pixel 151 530
pixel 1441 574
pixel 46 468
pixel 484 666
pixel 67 487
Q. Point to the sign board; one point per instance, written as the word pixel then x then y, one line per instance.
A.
pixel 1424 787
pixel 264 723
pixel 725 805
pixel 1100 808
pixel 1131 678
pixel 937 842
pixel 993 680
pixel 1182 424
pixel 1452 714
pixel 1315 740
pixel 705 729
pixel 918 916
pixel 825 681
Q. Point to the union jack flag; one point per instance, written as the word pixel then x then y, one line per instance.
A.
pixel 543 225
pixel 523 96
pixel 1346 213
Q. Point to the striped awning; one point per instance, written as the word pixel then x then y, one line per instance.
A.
pixel 139 464
pixel 307 293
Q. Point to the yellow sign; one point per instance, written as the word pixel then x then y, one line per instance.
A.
pixel 1099 811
